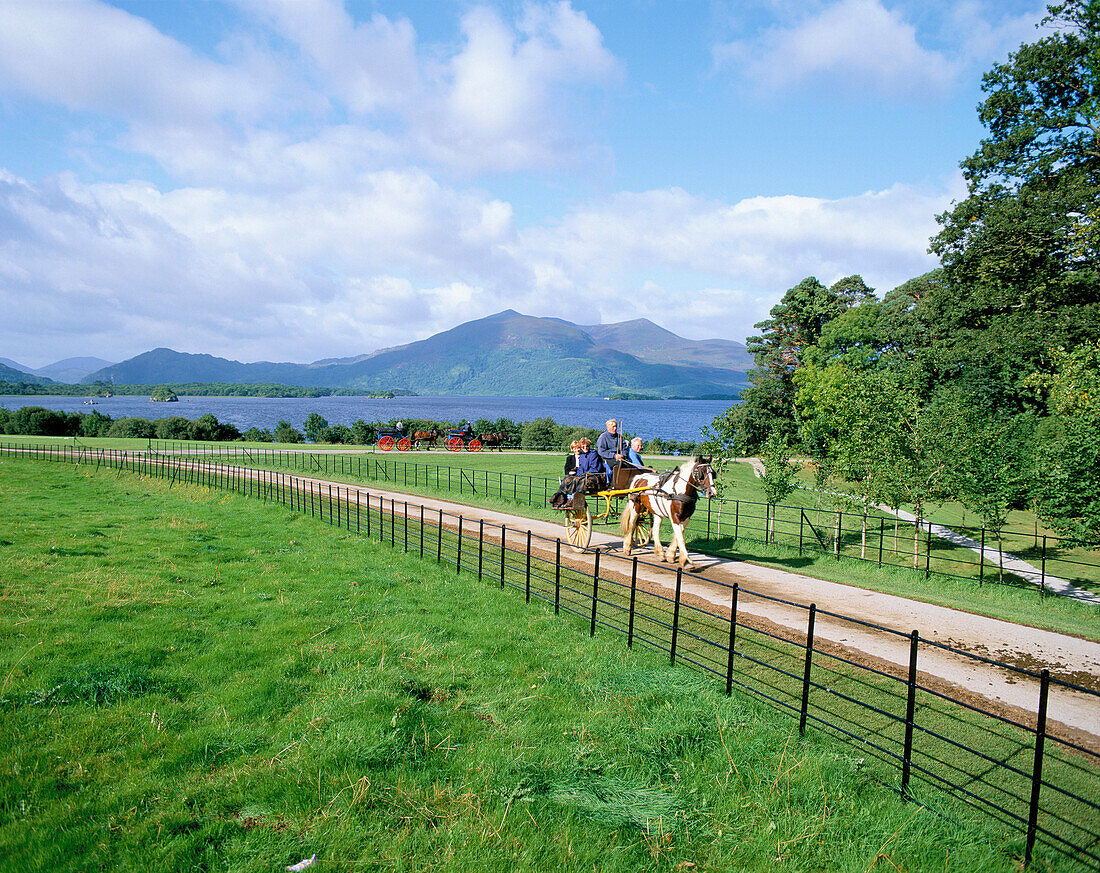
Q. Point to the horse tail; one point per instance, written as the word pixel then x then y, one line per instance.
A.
pixel 627 518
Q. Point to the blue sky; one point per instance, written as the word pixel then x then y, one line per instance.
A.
pixel 309 179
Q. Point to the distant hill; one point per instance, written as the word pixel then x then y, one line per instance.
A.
pixel 14 365
pixel 72 370
pixel 10 374
pixel 506 353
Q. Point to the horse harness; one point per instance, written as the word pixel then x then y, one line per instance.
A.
pixel 693 479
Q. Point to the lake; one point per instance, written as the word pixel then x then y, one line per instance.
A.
pixel 669 419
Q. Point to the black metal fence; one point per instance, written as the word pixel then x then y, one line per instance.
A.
pixel 1041 782
pixel 967 552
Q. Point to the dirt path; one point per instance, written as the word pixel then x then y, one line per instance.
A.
pixel 1068 658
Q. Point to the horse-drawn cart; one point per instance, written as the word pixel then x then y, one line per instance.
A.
pixel 458 440
pixel 650 497
pixel 387 439
pixel 579 516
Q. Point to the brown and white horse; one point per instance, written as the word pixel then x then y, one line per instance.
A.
pixel 672 496
pixel 426 436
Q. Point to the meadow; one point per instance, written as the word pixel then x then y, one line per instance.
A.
pixel 196 680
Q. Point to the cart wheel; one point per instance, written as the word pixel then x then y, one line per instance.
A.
pixel 385 443
pixel 454 444
pixel 474 446
pixel 404 444
pixel 578 528
pixel 643 530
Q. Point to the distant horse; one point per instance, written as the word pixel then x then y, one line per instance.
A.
pixel 672 496
pixel 425 436
pixel 494 441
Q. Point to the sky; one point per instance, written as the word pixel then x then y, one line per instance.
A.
pixel 292 181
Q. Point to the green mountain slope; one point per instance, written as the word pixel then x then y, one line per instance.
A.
pixel 503 354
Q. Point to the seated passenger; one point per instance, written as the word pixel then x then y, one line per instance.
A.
pixel 571 458
pixel 633 454
pixel 590 464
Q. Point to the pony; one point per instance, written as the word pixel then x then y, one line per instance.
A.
pixel 493 441
pixel 425 436
pixel 671 495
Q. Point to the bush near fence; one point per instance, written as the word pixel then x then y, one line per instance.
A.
pixel 1042 787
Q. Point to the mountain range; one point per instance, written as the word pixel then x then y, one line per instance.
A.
pixel 503 354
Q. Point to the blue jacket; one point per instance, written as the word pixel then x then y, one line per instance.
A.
pixel 632 457
pixel 590 462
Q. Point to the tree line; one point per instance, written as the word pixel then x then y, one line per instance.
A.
pixel 542 433
pixel 978 382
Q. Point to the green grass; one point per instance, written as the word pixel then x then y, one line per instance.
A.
pixel 195 680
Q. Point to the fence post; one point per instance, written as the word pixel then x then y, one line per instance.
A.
pixel 910 709
pixel 1043 569
pixel 733 637
pixel 458 552
pixel 595 592
pixel 557 575
pixel 801 525
pixel 633 594
pixel 736 518
pixel 881 526
pixel 439 539
pixel 503 532
pixel 806 671
pixel 480 544
pixel 928 550
pixel 708 520
pixel 406 517
pixel 357 512
pixel 421 530
pixel 527 585
pixel 676 615
pixel 1037 769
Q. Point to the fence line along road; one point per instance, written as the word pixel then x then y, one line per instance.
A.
pixel 1040 560
pixel 1038 780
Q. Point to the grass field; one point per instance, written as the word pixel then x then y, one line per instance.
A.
pixel 184 688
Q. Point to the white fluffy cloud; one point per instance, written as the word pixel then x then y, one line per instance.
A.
pixel 856 44
pixel 398 256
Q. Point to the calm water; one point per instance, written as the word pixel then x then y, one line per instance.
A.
pixel 669 419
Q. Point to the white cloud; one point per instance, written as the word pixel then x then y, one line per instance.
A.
pixel 857 45
pixel 396 256
pixel 89 56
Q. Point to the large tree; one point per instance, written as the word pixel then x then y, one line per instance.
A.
pixel 1022 251
pixel 795 326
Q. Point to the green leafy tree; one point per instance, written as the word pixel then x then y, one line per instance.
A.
pixel 175 427
pixel 1068 466
pixel 315 427
pixel 779 479
pixel 795 325
pixel 363 434
pixel 540 433
pixel 140 428
pixel 1022 251
pixel 285 433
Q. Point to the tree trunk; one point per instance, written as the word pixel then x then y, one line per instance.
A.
pixel 916 543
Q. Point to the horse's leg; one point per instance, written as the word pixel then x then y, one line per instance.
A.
pixel 685 559
pixel 626 526
pixel 657 550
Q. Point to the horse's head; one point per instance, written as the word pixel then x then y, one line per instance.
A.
pixel 701 476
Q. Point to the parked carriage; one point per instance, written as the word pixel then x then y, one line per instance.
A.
pixel 391 437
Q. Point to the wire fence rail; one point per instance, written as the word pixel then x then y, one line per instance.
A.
pixel 1040 784
pixel 1013 555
